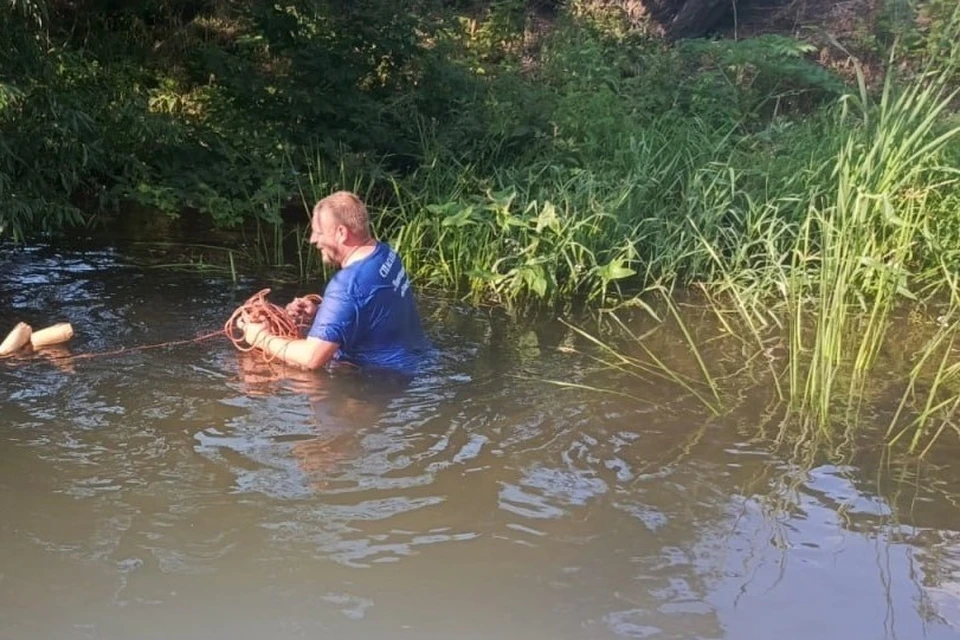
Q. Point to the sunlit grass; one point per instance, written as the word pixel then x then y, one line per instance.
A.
pixel 812 298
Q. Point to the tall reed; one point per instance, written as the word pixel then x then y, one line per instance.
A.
pixel 864 243
pixel 815 266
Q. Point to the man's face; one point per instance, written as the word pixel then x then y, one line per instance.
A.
pixel 327 236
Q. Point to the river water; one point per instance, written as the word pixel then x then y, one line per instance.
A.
pixel 194 492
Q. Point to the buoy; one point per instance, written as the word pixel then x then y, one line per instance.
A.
pixel 16 339
pixel 55 334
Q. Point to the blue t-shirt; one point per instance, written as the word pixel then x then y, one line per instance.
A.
pixel 369 309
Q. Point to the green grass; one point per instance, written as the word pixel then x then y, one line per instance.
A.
pixel 816 265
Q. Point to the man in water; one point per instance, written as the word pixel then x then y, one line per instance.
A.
pixel 368 316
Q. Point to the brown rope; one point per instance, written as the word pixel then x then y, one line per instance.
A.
pixel 257 309
pixel 82 356
pixel 279 321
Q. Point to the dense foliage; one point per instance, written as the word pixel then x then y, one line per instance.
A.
pixel 201 106
pixel 513 153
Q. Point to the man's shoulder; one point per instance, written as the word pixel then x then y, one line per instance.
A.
pixel 380 264
pixel 356 279
pixel 340 284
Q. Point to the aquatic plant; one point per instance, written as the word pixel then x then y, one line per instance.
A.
pixel 814 277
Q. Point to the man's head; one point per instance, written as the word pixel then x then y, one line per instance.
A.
pixel 340 223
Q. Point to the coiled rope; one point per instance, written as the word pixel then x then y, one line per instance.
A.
pixel 278 320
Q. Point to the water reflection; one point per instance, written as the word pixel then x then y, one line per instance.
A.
pixel 198 492
pixel 295 424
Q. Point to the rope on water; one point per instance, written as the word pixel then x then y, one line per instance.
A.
pixel 286 323
pixel 122 350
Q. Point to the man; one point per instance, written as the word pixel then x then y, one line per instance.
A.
pixel 368 315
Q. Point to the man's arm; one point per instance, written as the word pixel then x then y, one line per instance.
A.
pixel 308 353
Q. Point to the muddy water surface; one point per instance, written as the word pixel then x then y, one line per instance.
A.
pixel 193 492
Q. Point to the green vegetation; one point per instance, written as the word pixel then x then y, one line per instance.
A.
pixel 531 164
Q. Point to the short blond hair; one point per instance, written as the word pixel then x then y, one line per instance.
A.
pixel 348 209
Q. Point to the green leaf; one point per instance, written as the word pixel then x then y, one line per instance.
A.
pixel 890 216
pixel 485 275
pixel 503 199
pixel 615 270
pixel 536 280
pixel 873 263
pixel 547 218
pixel 906 293
pixel 462 218
pixel 442 209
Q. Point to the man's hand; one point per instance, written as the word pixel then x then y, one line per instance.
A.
pixel 253 332
pixel 302 311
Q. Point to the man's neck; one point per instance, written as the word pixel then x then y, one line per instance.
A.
pixel 359 252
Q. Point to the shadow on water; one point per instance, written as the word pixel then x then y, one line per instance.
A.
pixel 199 492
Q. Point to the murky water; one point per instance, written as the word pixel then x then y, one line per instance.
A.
pixel 194 492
